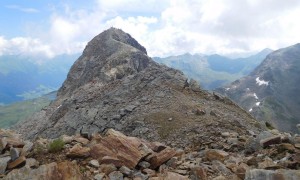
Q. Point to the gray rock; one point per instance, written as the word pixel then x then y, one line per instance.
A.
pixel 94 163
pixel 116 175
pixel 3 143
pixel 27 148
pixel 116 117
pixel 194 85
pixel 270 141
pixel 140 175
pixel 14 154
pixel 130 108
pixel 125 170
pixel 217 165
pixel 122 112
pixel 99 176
pixel 144 164
pixel 32 163
pixel 261 174
pixel 3 164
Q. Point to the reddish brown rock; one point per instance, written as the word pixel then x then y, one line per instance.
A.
pixel 16 163
pixel 118 146
pixel 45 172
pixel 69 170
pixel 157 146
pixel 241 170
pixel 77 151
pixel 107 168
pixel 158 159
pixel 111 160
pixel 199 173
pixel 214 154
pixel 81 140
pixel 286 147
pixel 17 143
pixel 270 141
pixel 172 176
pixel 268 164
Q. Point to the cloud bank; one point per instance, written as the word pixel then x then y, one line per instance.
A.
pixel 168 27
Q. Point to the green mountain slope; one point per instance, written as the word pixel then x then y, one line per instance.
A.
pixel 15 112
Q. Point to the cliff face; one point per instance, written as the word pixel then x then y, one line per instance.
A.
pixel 271 91
pixel 114 84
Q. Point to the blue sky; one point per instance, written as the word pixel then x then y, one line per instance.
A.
pixel 164 27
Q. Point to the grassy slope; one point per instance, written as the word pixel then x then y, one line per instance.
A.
pixel 13 113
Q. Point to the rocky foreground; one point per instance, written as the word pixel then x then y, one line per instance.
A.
pixel 113 155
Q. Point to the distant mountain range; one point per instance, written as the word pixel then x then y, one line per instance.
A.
pixel 26 78
pixel 271 91
pixel 15 112
pixel 213 71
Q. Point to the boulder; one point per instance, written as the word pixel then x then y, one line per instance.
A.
pixel 67 139
pixel 261 174
pixel 27 148
pixel 14 154
pixel 52 171
pixel 270 141
pixel 81 140
pixel 94 163
pixel 32 163
pixel 173 176
pixel 115 175
pixel 112 160
pixel 117 146
pixel 99 176
pixel 45 172
pixel 77 151
pixel 125 170
pixel 16 163
pixel 163 156
pixel 3 164
pixel 3 143
pixel 198 173
pixel 69 170
pixel 214 154
pixel 107 168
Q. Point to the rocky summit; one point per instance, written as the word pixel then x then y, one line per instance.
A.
pixel 271 91
pixel 114 84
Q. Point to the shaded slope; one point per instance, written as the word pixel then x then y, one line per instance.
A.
pixel 271 91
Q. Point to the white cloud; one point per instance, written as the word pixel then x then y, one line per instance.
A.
pixel 24 46
pixel 23 9
pixel 170 27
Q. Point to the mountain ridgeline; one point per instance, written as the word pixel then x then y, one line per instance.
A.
pixel 271 91
pixel 114 84
pixel 214 71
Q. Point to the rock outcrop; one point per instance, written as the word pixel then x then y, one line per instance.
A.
pixel 114 84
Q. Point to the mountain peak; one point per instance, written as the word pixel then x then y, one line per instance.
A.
pixel 110 38
pixel 111 55
pixel 114 84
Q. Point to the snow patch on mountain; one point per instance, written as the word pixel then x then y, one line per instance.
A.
pixel 261 82
pixel 254 94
